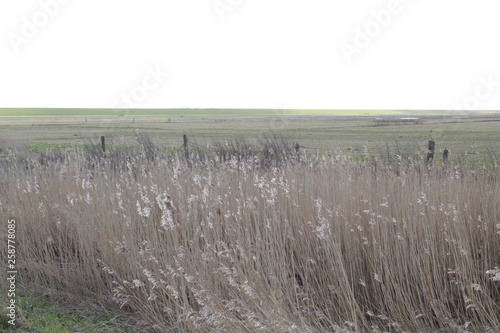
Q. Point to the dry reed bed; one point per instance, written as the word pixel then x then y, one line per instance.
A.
pixel 304 247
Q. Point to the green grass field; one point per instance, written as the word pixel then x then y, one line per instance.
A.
pixel 39 315
pixel 34 112
pixel 50 112
pixel 352 131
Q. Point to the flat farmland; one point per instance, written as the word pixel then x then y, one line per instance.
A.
pixel 71 112
pixel 351 131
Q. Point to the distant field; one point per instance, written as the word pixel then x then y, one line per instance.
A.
pixel 34 112
pixel 314 130
pixel 71 112
pixel 50 112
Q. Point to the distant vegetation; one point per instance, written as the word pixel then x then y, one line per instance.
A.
pixel 470 138
pixel 24 112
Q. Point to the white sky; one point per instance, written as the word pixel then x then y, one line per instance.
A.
pixel 263 54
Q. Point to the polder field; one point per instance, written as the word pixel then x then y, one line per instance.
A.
pixel 473 136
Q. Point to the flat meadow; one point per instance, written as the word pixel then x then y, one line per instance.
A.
pixel 276 223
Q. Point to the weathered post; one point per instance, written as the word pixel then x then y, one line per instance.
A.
pixel 430 152
pixel 297 147
pixel 103 144
pixel 445 156
pixel 186 152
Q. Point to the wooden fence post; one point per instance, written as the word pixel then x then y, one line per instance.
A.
pixel 430 152
pixel 186 152
pixel 103 144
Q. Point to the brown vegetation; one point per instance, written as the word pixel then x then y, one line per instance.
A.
pixel 234 244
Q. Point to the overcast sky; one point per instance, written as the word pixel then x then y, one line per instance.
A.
pixel 388 54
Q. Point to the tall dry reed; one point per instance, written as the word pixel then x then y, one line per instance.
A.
pixel 309 246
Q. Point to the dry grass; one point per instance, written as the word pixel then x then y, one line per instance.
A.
pixel 308 246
